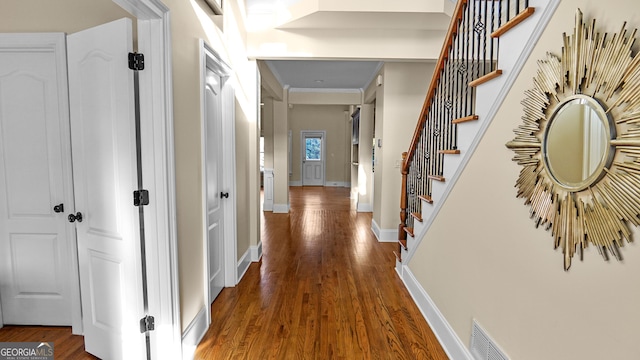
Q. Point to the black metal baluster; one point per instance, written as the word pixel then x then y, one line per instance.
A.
pixel 439 107
pixel 443 116
pixel 421 160
pixel 485 14
pixel 467 55
pixel 508 12
pixel 446 132
pixel 492 64
pixel 427 146
pixel 459 83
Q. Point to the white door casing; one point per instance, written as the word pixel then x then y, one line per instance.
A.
pixel 214 192
pixel 38 263
pixel 313 168
pixel 210 62
pixel 158 168
pixel 105 176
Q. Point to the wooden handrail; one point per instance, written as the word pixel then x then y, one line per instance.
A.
pixel 444 54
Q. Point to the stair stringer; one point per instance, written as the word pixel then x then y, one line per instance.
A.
pixel 514 52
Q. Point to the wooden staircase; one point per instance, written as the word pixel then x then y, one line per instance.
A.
pixel 448 128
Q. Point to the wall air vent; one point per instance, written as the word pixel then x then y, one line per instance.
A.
pixel 483 347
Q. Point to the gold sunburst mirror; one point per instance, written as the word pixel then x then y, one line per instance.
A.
pixel 579 142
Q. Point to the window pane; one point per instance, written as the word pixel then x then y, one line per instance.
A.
pixel 313 148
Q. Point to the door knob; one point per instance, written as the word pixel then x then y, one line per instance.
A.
pixel 224 194
pixel 58 208
pixel 77 217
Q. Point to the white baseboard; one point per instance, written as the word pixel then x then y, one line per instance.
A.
pixel 267 205
pixel 453 346
pixel 243 264
pixel 281 208
pixel 337 184
pixel 194 334
pixel 327 183
pixel 364 207
pixel 256 252
pixel 384 235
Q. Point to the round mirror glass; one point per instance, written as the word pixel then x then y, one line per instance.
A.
pixel 576 143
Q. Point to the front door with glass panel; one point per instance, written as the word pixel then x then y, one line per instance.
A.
pixel 312 158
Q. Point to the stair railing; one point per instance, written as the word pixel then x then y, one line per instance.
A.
pixel 469 57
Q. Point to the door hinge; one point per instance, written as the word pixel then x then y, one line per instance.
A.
pixel 140 197
pixel 136 61
pixel 147 323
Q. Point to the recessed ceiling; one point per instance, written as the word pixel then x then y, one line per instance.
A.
pixel 324 74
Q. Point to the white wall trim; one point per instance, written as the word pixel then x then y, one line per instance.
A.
pixel 243 264
pixel 453 346
pixel 384 235
pixel 154 40
pixel 298 183
pixel 280 208
pixel 193 334
pixel 363 207
pixel 256 252
pixel 337 184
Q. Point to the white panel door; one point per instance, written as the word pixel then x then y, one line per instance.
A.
pixel 35 176
pixel 105 175
pixel 214 192
pixel 312 159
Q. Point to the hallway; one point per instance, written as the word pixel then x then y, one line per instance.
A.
pixel 325 289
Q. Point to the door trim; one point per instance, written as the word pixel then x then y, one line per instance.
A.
pixel 323 135
pixel 210 59
pixel 56 43
pixel 156 109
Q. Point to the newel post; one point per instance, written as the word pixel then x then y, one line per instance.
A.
pixel 402 235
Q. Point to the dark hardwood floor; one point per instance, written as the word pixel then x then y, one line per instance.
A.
pixel 65 345
pixel 325 289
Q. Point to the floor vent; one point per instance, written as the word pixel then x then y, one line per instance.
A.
pixel 483 347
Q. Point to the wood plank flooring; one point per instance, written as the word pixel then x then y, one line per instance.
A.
pixel 65 345
pixel 325 289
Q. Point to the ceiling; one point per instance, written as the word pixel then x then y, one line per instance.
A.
pixel 324 74
pixel 261 6
pixel 333 74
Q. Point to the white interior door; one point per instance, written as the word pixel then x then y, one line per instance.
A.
pixel 312 158
pixel 214 191
pixel 36 242
pixel 105 175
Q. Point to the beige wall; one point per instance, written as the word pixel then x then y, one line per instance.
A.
pixel 57 16
pixel 399 102
pixel 484 259
pixel 191 20
pixel 321 117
